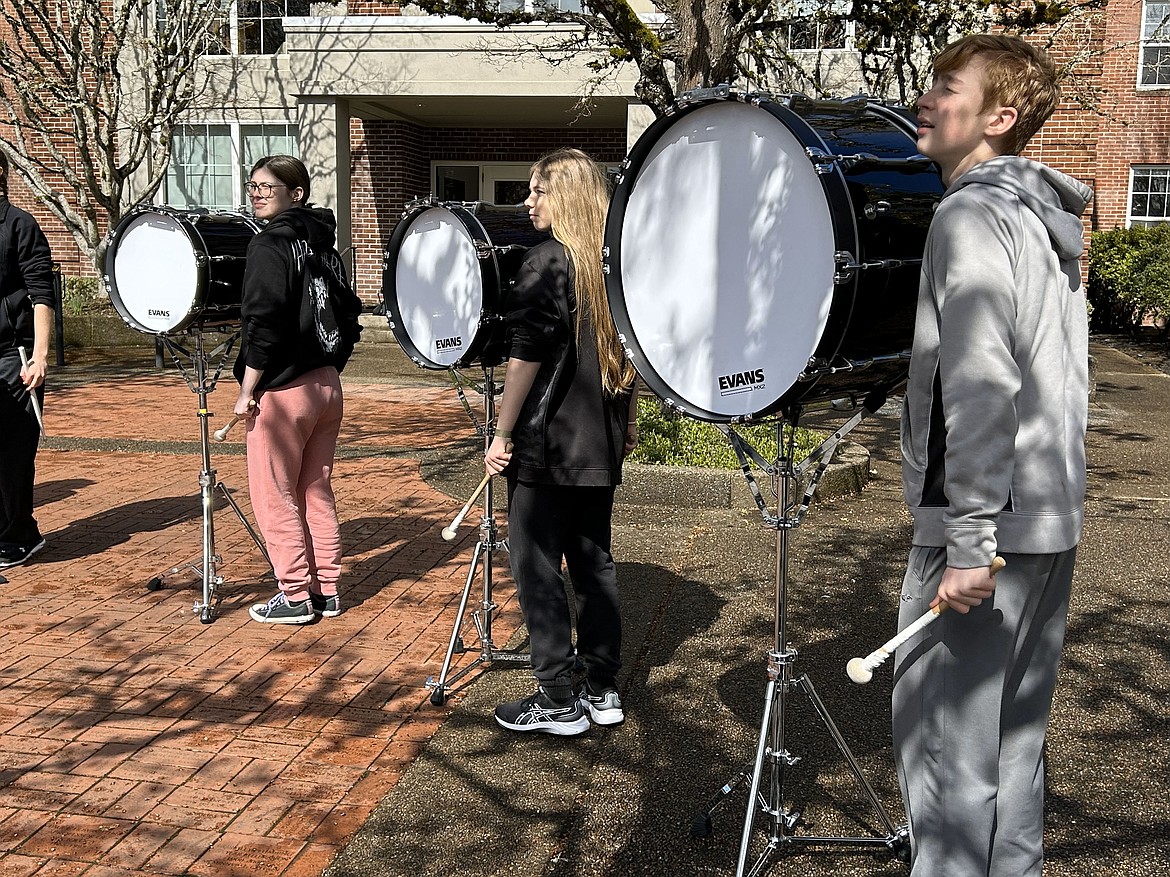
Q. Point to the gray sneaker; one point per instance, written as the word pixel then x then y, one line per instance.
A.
pixel 279 611
pixel 604 708
pixel 326 607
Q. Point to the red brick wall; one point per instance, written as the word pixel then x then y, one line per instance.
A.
pixel 392 166
pixel 373 7
pixel 65 250
pixel 1125 126
pixel 1139 130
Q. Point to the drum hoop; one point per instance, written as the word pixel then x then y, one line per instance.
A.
pixel 201 274
pixel 489 275
pixel 845 232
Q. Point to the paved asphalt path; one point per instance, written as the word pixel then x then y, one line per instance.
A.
pixel 699 598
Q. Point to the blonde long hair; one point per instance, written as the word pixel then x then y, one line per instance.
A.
pixel 578 198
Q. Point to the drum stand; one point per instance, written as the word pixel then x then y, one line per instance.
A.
pixel 781 660
pixel 485 548
pixel 202 385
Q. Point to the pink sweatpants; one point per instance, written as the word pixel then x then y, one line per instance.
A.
pixel 291 443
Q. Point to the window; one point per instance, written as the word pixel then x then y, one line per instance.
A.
pixel 210 163
pixel 814 33
pixel 806 25
pixel 1155 57
pixel 534 6
pixel 245 27
pixel 494 182
pixel 1149 191
pixel 258 26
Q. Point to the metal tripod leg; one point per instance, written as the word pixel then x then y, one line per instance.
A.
pixel 481 618
pixel 770 749
pixel 482 558
pixel 244 520
pixel 202 385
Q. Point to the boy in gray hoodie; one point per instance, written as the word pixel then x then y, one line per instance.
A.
pixel 993 435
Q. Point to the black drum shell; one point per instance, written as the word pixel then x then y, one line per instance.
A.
pixel 880 211
pixel 501 235
pixel 219 245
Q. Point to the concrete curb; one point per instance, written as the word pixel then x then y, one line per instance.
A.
pixel 691 487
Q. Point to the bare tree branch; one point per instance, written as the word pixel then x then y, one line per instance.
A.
pixel 90 92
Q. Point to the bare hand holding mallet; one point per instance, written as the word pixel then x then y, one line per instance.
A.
pixel 860 670
pixel 32 393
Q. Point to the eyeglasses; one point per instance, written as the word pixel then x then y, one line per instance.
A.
pixel 263 189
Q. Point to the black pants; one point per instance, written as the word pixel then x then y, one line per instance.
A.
pixel 18 450
pixel 546 523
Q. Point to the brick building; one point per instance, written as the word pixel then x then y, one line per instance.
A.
pixel 385 107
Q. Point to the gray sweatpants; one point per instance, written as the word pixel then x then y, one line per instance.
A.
pixel 972 695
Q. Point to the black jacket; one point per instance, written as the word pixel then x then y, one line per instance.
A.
pixel 26 275
pixel 569 431
pixel 276 337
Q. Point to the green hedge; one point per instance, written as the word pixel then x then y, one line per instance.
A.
pixel 82 295
pixel 1129 279
pixel 674 440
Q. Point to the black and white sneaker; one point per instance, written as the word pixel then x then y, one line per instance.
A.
pixel 604 708
pixel 539 712
pixel 279 610
pixel 326 607
pixel 15 555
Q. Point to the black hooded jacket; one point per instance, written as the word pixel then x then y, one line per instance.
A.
pixel 276 336
pixel 26 275
pixel 569 431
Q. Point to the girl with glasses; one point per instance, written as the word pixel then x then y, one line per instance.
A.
pixel 290 397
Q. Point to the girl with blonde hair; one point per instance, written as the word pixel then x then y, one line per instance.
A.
pixel 566 422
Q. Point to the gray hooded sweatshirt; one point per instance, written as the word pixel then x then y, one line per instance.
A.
pixel 993 427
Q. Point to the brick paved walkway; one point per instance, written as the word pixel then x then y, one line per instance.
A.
pixel 133 738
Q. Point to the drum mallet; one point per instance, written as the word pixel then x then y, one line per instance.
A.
pixel 32 393
pixel 221 434
pixel 449 532
pixel 860 670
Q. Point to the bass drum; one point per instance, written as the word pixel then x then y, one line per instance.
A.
pixel 168 271
pixel 446 272
pixel 764 255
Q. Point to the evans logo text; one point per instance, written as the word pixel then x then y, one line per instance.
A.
pixel 448 343
pixel 741 382
pixel 153 313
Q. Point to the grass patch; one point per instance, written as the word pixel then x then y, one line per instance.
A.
pixel 674 440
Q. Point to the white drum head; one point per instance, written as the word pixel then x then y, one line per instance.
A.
pixel 727 261
pixel 439 286
pixel 155 272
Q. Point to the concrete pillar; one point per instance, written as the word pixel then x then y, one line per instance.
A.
pixel 639 117
pixel 323 137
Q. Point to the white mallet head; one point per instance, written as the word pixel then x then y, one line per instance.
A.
pixel 448 534
pixel 859 670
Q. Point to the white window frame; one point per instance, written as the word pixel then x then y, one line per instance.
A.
pixel 231 15
pixel 1148 42
pixel 1146 219
pixel 235 129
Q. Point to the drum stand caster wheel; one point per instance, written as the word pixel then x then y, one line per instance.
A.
pixel 899 844
pixel 701 825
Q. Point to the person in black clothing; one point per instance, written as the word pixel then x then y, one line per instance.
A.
pixel 566 421
pixel 290 396
pixel 26 319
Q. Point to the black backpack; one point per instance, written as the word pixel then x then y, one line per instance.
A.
pixel 331 307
